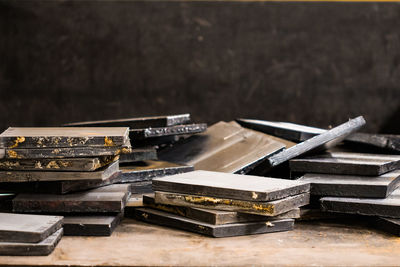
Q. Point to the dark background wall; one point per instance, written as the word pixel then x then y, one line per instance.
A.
pixel 312 63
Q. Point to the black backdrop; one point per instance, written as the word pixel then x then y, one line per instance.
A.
pixel 312 63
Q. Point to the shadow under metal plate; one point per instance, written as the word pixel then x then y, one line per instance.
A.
pixel 347 163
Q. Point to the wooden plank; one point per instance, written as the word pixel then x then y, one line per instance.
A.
pixel 286 130
pixel 31 176
pixel 226 185
pixel 66 164
pixel 347 163
pixel 147 170
pixel 58 187
pixel 139 154
pixel 212 216
pixel 320 142
pixel 144 133
pixel 42 248
pixel 386 207
pixel 93 225
pixel 225 230
pixel 26 228
pixel 352 186
pixel 383 141
pixel 135 123
pixel 267 208
pixel 66 152
pixel 42 137
pixel 388 225
pixel 224 147
pixel 108 199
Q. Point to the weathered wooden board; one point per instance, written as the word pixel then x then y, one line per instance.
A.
pixel 225 230
pixel 66 152
pixel 93 225
pixel 31 176
pixel 227 185
pixel 352 186
pixel 265 208
pixel 383 141
pixel 66 164
pixel 144 133
pixel 58 187
pixel 212 216
pixel 147 170
pixel 108 199
pixel 139 154
pixel 386 207
pixel 347 163
pixel 42 248
pixel 319 142
pixel 286 130
pixel 388 225
pixel 27 228
pixel 135 123
pixel 224 147
pixel 42 137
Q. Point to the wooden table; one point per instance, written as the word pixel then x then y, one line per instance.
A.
pixel 311 243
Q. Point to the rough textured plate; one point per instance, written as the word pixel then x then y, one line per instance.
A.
pixel 147 170
pixel 31 176
pixel 27 228
pixel 143 122
pixel 140 134
pixel 267 208
pixel 224 147
pixel 226 185
pixel 234 229
pixel 347 163
pixel 42 248
pixel 41 137
pixel 386 207
pixel 353 186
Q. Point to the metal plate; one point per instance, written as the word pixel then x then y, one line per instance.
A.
pixel 383 141
pixel 143 122
pixel 320 142
pixel 385 207
pixel 234 229
pixel 141 134
pixel 41 137
pixel 352 186
pixel 286 130
pixel 147 170
pixel 346 163
pixel 388 225
pixel 139 154
pixel 93 225
pixel 26 228
pixel 31 176
pixel 267 208
pixel 224 147
pixel 42 248
pixel 226 185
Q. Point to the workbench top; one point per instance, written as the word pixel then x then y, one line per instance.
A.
pixel 311 243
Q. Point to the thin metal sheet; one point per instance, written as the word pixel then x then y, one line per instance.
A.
pixel 347 163
pixel 41 137
pixel 353 186
pixel 42 248
pixel 265 208
pixel 226 185
pixel 224 147
pixel 147 170
pixel 320 142
pixel 385 207
pixel 383 141
pixel 225 230
pixel 139 154
pixel 31 176
pixel 27 228
pixel 388 225
pixel 142 122
pixel 144 133
pixel 286 130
